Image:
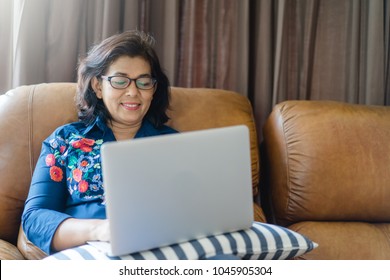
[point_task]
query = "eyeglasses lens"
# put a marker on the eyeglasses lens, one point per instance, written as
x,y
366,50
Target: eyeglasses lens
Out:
x,y
123,82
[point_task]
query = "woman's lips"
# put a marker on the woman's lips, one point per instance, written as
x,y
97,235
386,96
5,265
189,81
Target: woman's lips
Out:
x,y
131,106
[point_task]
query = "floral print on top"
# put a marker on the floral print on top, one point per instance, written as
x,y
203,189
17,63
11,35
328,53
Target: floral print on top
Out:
x,y
81,156
68,181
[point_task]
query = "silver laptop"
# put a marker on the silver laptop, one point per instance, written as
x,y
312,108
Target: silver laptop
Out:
x,y
169,189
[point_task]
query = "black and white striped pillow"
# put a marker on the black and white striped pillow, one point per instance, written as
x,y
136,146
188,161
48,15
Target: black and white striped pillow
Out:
x,y
262,241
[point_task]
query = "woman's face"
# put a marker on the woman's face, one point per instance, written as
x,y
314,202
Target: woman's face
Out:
x,y
127,106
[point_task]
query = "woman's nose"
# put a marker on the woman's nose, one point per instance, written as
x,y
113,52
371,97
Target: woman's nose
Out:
x,y
132,89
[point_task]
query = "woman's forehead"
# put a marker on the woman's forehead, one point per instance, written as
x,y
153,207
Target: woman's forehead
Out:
x,y
129,65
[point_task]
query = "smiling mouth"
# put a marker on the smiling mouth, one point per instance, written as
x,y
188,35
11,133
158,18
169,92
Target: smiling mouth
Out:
x,y
131,106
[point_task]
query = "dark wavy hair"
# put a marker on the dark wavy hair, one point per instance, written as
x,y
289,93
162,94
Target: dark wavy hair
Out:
x,y
96,63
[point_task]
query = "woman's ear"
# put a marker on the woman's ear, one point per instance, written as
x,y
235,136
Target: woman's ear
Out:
x,y
97,87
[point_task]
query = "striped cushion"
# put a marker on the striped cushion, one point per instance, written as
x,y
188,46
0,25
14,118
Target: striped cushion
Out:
x,y
261,241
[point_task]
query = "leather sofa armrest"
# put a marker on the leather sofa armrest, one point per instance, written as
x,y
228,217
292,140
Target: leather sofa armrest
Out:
x,y
27,248
9,251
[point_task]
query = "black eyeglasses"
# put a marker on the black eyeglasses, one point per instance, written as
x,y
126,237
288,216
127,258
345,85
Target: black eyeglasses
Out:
x,y
121,82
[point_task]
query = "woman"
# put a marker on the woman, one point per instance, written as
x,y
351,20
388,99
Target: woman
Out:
x,y
122,94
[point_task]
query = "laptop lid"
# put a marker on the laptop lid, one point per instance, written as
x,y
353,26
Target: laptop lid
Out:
x,y
169,189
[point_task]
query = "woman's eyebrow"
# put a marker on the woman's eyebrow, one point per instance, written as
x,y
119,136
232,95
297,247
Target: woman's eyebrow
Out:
x,y
119,74
125,75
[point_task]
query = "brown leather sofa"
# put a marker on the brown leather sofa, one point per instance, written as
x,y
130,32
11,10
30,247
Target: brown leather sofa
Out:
x,y
28,114
326,174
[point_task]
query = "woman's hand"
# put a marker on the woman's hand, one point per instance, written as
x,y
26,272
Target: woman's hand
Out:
x,y
101,231
75,232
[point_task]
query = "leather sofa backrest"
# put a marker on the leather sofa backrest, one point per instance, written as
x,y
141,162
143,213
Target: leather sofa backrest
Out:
x,y
29,114
27,117
328,161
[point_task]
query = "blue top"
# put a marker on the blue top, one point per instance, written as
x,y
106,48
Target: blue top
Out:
x,y
67,180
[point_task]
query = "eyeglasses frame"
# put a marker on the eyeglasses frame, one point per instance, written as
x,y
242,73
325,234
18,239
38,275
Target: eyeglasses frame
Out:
x,y
108,78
